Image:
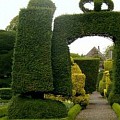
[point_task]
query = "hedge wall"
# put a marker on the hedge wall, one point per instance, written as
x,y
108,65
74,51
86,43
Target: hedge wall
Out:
x,y
68,28
32,69
90,68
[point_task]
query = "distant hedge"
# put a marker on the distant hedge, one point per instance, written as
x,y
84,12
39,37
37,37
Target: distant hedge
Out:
x,y
32,70
90,68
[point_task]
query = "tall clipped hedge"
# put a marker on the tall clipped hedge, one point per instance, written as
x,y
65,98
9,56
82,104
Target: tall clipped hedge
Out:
x,y
68,28
32,69
90,68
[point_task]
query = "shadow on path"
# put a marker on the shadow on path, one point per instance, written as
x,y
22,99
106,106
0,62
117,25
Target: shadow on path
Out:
x,y
98,109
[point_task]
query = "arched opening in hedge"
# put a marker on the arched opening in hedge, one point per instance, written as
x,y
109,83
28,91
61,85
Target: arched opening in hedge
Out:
x,y
92,59
67,28
83,45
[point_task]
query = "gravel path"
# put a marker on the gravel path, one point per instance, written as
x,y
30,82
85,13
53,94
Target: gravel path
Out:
x,y
98,109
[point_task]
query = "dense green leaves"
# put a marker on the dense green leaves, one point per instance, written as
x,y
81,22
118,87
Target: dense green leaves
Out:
x,y
27,108
90,68
32,69
97,5
6,53
68,28
41,3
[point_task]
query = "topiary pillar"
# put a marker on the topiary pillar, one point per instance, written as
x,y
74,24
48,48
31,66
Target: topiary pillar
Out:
x,y
32,71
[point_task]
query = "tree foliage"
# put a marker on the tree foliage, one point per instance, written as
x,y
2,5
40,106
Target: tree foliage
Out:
x,y
13,24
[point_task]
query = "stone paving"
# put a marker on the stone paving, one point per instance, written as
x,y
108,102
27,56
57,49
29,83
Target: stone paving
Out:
x,y
98,109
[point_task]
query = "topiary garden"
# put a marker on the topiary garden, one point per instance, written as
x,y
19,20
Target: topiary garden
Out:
x,y
42,63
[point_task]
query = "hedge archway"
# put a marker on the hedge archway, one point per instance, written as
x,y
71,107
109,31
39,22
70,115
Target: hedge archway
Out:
x,y
67,28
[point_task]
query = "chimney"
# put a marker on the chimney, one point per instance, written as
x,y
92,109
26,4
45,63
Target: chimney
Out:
x,y
99,48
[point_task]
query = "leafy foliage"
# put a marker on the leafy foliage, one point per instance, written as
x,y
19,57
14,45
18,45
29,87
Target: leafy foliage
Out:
x,y
13,24
90,68
69,27
97,5
7,39
32,70
27,108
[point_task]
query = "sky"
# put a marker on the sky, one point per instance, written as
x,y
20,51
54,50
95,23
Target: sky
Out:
x,y
10,8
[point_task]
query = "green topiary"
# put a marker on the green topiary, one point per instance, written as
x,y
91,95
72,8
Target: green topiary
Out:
x,y
90,68
41,4
32,70
97,5
73,112
27,108
113,98
116,108
100,75
108,65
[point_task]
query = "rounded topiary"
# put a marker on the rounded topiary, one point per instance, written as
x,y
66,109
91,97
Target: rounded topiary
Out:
x,y
41,3
97,5
27,108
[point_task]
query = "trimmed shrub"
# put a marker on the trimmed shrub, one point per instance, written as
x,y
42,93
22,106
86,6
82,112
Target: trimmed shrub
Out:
x,y
3,110
42,4
78,80
116,108
105,84
100,75
67,28
83,100
113,98
90,68
32,70
5,93
27,108
108,65
102,86
73,112
78,92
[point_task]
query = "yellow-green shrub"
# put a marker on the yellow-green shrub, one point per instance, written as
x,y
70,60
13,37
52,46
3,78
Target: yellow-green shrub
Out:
x,y
105,83
108,65
78,92
78,80
83,100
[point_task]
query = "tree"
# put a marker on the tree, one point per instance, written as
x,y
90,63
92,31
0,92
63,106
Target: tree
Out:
x,y
109,51
13,24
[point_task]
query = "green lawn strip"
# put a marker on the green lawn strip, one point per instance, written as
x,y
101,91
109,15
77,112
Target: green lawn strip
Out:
x,y
116,108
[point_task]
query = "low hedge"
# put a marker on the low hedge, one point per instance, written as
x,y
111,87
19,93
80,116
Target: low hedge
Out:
x,y
5,93
28,108
3,110
116,108
73,112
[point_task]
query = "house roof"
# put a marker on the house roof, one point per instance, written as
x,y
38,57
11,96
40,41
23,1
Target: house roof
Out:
x,y
95,52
